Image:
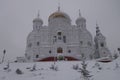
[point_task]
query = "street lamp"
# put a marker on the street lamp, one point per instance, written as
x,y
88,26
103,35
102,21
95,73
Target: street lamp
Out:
x,y
4,51
119,50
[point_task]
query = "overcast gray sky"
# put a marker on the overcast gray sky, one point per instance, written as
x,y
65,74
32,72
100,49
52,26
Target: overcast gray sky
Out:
x,y
16,20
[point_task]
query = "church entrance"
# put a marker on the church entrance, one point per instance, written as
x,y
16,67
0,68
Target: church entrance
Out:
x,y
59,50
60,55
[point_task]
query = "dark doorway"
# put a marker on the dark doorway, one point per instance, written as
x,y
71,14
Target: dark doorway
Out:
x,y
59,50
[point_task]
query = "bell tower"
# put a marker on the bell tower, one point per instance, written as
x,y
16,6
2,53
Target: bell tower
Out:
x,y
101,49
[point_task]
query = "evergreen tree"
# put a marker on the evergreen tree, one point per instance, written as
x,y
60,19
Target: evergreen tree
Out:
x,y
85,74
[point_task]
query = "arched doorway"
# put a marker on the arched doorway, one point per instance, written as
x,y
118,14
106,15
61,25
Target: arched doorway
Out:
x,y
59,50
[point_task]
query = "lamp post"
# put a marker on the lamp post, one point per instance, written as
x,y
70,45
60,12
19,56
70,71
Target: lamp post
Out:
x,y
54,59
119,50
4,51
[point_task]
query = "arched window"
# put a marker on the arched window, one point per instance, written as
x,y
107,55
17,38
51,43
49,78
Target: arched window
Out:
x,y
64,39
69,51
59,33
59,50
37,56
50,51
38,43
81,42
54,39
102,44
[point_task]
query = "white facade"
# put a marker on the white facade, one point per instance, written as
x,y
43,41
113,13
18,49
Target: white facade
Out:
x,y
59,38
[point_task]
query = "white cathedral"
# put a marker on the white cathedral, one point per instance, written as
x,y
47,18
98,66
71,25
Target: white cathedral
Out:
x,y
61,40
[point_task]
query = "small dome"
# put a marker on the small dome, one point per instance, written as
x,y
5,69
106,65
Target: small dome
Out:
x,y
38,20
59,14
80,18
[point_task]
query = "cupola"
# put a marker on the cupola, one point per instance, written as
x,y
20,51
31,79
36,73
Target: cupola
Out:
x,y
80,19
59,15
38,20
37,23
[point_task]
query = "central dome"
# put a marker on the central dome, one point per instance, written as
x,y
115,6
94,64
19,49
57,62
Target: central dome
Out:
x,y
59,14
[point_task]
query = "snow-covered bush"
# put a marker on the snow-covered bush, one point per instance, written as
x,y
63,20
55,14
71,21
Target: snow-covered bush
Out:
x,y
97,65
54,67
60,58
75,67
33,68
27,67
115,56
117,66
7,67
18,71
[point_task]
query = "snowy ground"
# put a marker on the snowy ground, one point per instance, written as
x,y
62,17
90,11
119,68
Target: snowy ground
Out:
x,y
106,71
